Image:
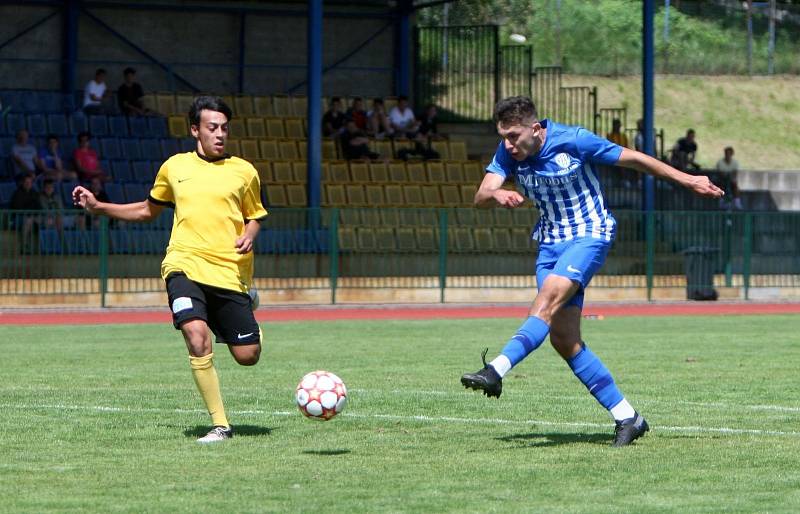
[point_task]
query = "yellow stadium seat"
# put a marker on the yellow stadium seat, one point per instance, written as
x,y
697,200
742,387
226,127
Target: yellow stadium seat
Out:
x,y
276,195
501,239
413,196
255,127
150,100
458,150
300,171
329,150
275,127
451,195
294,128
453,172
366,239
521,239
359,171
347,238
165,104
233,147
390,217
416,172
249,149
229,100
385,238
435,171
183,102
288,149
389,102
334,195
371,216
483,239
502,217
282,106
468,193
296,194
178,126
264,169
299,105
461,239
269,149
236,128
398,172
402,144
427,238
382,147
474,171
262,106
302,148
431,196
405,239
339,172
378,172
394,195
375,195
282,171
355,195
441,148
243,105
408,217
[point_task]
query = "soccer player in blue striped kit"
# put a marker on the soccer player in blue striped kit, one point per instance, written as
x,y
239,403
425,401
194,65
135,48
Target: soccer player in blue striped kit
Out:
x,y
555,166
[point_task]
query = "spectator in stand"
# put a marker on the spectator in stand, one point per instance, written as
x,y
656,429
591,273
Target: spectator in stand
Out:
x,y
638,139
357,113
24,155
684,151
94,93
51,161
402,118
25,198
355,143
87,162
50,202
428,127
130,94
378,124
729,168
616,136
333,119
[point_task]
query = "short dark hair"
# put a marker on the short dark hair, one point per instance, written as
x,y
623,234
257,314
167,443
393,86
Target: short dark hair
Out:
x,y
208,103
378,101
514,109
402,98
83,134
48,181
51,136
128,71
729,149
98,71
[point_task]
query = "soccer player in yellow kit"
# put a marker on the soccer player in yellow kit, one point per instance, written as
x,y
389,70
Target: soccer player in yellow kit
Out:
x,y
208,268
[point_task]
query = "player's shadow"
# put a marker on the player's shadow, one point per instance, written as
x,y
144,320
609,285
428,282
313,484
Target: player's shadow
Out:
x,y
338,451
538,440
238,431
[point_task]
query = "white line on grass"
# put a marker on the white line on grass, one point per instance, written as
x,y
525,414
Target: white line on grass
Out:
x,y
420,418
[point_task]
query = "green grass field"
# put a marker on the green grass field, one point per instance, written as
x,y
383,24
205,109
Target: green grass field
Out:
x,y
103,419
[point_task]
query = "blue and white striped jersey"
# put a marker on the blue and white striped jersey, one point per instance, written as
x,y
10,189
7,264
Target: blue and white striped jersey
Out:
x,y
563,182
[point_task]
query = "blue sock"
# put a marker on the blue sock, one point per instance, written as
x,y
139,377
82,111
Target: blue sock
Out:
x,y
528,338
596,377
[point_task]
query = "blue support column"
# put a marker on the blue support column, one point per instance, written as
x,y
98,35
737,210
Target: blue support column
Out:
x,y
70,47
314,103
403,65
648,80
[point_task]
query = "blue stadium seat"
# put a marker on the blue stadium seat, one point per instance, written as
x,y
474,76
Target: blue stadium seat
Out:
x,y
11,99
31,101
6,190
121,170
105,165
82,242
149,149
109,148
121,240
138,126
6,169
156,166
14,122
169,147
49,242
57,124
134,192
37,125
157,126
118,126
114,192
164,220
5,145
142,171
130,148
98,125
68,145
78,123
66,191
188,144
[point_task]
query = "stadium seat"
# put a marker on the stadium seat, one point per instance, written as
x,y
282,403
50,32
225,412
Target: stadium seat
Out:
x,y
149,149
57,124
474,172
158,126
169,147
347,239
281,106
300,171
7,189
503,217
296,195
302,148
355,195
187,144
441,147
299,105
521,239
255,127
454,172
382,147
262,106
339,171
118,126
243,106
264,169
329,149
406,241
49,241
121,170
366,239
294,128
427,239
109,148
390,217
458,150
375,195
468,193
78,123
98,125
384,238
413,196
177,126
431,195
134,192
461,239
269,149
142,171
31,101
14,123
276,195
137,126
165,104
66,191
288,149
402,144
416,172
483,239
237,128
371,216
183,102
81,242
398,172
394,195
275,128
378,172
130,148
501,239
451,196
115,192
334,195
359,171
435,171
408,217
234,147
37,125
249,149
282,171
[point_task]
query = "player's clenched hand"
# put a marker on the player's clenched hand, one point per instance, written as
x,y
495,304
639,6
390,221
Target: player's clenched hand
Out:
x,y
244,244
703,186
84,198
508,198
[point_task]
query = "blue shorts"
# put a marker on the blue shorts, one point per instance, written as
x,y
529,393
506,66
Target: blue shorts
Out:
x,y
578,260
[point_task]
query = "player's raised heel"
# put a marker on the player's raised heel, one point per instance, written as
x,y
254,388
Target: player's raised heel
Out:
x,y
216,435
628,430
485,379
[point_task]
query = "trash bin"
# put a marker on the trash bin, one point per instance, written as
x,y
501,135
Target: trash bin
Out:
x,y
699,263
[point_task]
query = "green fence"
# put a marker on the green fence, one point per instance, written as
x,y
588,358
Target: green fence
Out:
x,y
68,252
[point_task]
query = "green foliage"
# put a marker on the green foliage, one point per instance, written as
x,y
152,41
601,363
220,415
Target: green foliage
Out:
x,y
103,419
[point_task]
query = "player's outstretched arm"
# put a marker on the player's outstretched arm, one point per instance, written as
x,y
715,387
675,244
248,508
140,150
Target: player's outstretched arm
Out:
x,y
139,211
491,194
699,184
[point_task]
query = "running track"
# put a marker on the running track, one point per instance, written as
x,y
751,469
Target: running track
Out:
x,y
403,312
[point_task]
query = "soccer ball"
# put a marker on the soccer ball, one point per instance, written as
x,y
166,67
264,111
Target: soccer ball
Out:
x,y
321,395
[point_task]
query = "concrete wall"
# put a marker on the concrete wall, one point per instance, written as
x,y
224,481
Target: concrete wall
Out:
x,y
202,45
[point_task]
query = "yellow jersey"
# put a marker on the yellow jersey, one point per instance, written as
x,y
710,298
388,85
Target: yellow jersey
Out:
x,y
213,200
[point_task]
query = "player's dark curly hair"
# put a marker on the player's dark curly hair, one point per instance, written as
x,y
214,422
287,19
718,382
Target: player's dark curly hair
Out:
x,y
210,103
514,109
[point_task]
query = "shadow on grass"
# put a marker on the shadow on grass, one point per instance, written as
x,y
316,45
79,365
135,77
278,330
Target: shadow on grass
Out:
x,y
326,452
550,439
238,430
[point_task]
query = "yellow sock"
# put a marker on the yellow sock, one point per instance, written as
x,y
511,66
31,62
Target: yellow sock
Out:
x,y
205,376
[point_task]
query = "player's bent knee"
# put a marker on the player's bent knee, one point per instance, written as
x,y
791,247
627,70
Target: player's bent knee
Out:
x,y
246,355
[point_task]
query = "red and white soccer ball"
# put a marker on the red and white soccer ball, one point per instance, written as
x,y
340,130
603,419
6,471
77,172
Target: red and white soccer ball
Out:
x,y
321,395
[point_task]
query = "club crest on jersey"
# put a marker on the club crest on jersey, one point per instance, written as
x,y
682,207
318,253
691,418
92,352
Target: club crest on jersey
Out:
x,y
563,160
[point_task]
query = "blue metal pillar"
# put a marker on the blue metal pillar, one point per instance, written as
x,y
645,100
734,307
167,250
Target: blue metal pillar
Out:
x,y
314,103
69,57
648,80
403,65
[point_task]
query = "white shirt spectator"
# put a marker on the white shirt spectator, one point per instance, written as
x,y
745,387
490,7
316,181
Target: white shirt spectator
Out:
x,y
96,89
27,154
728,167
402,120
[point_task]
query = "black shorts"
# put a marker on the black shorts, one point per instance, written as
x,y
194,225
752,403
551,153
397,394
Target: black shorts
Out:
x,y
229,314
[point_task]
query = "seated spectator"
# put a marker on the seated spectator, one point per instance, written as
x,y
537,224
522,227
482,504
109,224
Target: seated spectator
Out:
x,y
378,124
333,119
24,155
50,201
427,123
94,93
357,113
684,151
638,139
402,118
130,94
87,162
25,198
51,161
616,136
729,167
355,143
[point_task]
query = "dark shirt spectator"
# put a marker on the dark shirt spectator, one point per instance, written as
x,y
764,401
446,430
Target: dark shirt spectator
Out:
x,y
428,126
129,95
25,197
378,124
357,113
684,151
355,143
49,200
87,162
333,120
